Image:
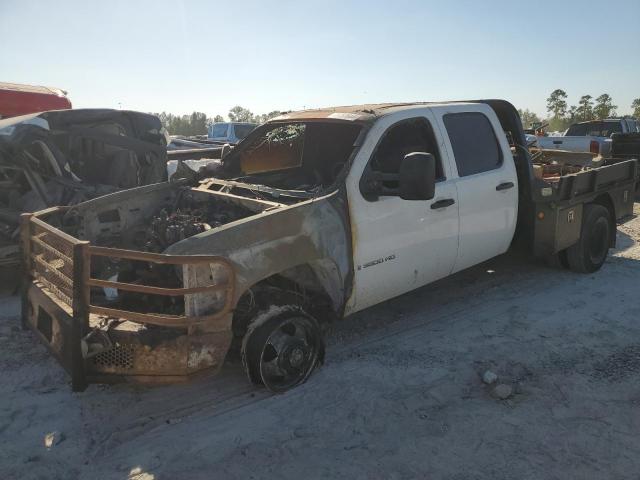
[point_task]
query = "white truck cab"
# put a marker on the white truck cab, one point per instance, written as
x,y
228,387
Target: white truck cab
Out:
x,y
471,218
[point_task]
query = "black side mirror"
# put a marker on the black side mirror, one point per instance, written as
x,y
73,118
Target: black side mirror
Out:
x,y
417,179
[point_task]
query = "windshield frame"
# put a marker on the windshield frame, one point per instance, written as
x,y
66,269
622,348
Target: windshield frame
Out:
x,y
231,163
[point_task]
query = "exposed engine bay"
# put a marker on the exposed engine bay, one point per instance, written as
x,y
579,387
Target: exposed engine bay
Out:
x,y
186,217
151,223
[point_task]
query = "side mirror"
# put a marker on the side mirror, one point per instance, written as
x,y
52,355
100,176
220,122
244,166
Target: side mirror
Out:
x,y
417,178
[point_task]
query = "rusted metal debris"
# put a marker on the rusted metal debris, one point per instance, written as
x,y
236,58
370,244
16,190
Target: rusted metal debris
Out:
x,y
66,157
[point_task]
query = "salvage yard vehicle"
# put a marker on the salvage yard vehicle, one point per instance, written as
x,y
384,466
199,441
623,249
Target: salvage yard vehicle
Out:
x,y
593,136
17,99
68,156
314,216
230,132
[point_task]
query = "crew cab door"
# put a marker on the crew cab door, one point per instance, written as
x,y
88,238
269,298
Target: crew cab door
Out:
x,y
399,245
486,180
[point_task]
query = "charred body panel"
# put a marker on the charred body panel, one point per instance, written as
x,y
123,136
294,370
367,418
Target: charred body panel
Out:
x,y
148,322
314,233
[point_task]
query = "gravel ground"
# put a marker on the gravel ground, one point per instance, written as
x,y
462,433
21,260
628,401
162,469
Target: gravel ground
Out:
x,y
400,396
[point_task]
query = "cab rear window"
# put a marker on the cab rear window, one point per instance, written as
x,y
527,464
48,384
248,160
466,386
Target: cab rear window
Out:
x,y
594,129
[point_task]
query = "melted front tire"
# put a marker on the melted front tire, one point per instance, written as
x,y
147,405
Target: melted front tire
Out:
x,y
282,347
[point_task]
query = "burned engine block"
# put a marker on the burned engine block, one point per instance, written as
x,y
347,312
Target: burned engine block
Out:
x,y
188,217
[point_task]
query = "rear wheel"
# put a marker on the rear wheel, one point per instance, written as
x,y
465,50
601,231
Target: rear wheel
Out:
x,y
591,251
282,347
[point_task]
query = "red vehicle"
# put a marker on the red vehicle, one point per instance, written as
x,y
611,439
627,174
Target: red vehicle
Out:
x,y
16,99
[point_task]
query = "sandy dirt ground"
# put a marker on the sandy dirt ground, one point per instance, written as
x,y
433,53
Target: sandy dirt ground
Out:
x,y
400,396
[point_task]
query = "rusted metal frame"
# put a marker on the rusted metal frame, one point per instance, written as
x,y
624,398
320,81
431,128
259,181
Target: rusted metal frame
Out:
x,y
160,320
205,187
154,318
170,292
80,307
53,289
36,239
259,188
25,237
49,268
54,231
50,210
81,283
160,258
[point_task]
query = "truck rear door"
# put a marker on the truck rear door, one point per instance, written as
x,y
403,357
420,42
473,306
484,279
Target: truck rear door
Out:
x,y
486,180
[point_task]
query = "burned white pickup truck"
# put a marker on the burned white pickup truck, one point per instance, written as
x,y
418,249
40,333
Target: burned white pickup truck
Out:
x,y
314,216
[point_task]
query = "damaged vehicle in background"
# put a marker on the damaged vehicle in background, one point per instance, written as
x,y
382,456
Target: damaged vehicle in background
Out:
x,y
65,157
314,216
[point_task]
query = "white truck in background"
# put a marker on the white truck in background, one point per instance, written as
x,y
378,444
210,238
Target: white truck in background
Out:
x,y
230,132
593,136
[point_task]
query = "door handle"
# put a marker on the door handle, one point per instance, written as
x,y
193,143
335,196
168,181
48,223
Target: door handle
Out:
x,y
557,142
442,203
504,186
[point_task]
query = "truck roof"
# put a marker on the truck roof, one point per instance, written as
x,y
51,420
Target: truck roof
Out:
x,y
358,113
610,119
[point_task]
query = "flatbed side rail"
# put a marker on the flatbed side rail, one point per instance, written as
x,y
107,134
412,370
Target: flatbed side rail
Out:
x,y
595,180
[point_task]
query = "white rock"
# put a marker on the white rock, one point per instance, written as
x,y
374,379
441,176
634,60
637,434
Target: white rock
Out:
x,y
53,438
489,377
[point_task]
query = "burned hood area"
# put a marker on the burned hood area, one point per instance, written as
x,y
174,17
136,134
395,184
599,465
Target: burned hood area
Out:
x,y
65,157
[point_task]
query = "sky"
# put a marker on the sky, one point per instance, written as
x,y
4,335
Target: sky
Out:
x,y
209,56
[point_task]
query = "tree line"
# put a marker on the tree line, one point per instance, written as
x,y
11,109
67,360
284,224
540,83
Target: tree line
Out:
x,y
561,114
197,123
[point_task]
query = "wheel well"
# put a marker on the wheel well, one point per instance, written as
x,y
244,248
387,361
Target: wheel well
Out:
x,y
298,285
606,202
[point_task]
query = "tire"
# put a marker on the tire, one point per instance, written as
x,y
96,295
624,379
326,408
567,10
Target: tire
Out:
x,y
588,255
282,347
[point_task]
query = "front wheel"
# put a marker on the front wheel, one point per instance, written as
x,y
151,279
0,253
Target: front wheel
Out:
x,y
282,347
590,252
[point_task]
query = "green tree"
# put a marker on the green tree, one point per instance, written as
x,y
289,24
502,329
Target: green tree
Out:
x,y
528,118
194,124
266,116
240,114
218,119
585,108
604,106
557,104
635,105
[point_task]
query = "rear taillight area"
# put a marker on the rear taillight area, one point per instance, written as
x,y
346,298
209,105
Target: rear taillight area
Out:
x,y
594,147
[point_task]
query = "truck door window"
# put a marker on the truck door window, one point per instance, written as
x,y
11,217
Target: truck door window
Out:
x,y
407,136
474,143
